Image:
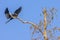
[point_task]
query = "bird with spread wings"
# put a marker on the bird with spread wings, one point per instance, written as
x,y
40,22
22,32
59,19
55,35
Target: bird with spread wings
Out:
x,y
12,16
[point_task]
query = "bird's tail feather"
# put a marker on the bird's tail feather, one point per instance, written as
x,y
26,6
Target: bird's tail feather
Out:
x,y
8,21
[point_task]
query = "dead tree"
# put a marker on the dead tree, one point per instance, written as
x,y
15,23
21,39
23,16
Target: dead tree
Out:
x,y
48,17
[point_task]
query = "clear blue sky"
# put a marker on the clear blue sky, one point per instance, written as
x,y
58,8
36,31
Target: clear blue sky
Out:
x,y
31,10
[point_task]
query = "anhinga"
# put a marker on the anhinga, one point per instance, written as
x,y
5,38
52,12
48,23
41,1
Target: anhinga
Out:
x,y
12,16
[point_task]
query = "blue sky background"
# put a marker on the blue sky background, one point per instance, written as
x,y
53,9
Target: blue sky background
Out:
x,y
31,10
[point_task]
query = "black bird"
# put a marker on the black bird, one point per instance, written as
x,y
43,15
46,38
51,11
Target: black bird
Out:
x,y
12,16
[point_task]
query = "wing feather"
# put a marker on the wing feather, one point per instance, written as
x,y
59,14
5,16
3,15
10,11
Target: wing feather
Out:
x,y
7,13
17,11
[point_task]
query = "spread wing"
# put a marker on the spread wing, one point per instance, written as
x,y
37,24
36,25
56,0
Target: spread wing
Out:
x,y
17,11
7,13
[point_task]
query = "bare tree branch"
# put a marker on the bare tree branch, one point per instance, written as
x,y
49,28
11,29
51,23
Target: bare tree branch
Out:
x,y
45,24
35,26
